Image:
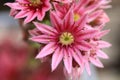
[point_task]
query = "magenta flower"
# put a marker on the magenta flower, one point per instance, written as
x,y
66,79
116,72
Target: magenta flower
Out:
x,y
64,40
82,7
93,55
30,9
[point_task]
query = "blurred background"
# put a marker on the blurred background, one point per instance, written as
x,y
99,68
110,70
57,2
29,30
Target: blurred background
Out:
x,y
17,64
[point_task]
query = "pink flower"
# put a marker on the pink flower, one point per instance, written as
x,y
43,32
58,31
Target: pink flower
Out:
x,y
82,7
30,9
64,40
93,55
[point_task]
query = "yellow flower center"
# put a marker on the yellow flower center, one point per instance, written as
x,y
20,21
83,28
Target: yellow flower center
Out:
x,y
76,17
66,38
35,2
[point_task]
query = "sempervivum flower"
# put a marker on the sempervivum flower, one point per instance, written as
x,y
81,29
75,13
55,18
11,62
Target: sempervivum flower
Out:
x,y
30,9
81,7
93,55
64,40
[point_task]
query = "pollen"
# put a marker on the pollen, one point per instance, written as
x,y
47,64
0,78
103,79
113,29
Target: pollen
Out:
x,y
35,2
66,38
76,17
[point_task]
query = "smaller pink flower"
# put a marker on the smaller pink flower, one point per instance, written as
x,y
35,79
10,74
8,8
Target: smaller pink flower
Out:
x,y
80,7
30,9
93,55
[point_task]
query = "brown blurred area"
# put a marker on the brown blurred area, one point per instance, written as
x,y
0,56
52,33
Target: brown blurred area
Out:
x,y
9,27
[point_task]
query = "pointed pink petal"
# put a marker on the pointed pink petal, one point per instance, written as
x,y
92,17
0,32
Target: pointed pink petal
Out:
x,y
87,34
87,66
77,56
82,22
14,5
56,58
40,15
102,33
103,44
45,28
68,19
96,62
30,16
101,54
100,27
21,14
13,12
34,32
47,50
67,60
41,39
83,45
55,20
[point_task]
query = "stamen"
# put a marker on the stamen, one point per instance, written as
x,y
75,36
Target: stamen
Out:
x,y
76,17
66,38
35,2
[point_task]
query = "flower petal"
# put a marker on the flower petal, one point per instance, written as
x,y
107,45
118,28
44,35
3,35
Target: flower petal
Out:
x,y
83,45
14,5
56,58
41,39
103,44
40,15
102,33
96,62
45,28
87,34
55,20
30,16
77,56
101,54
68,19
67,60
82,22
47,50
87,66
21,14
